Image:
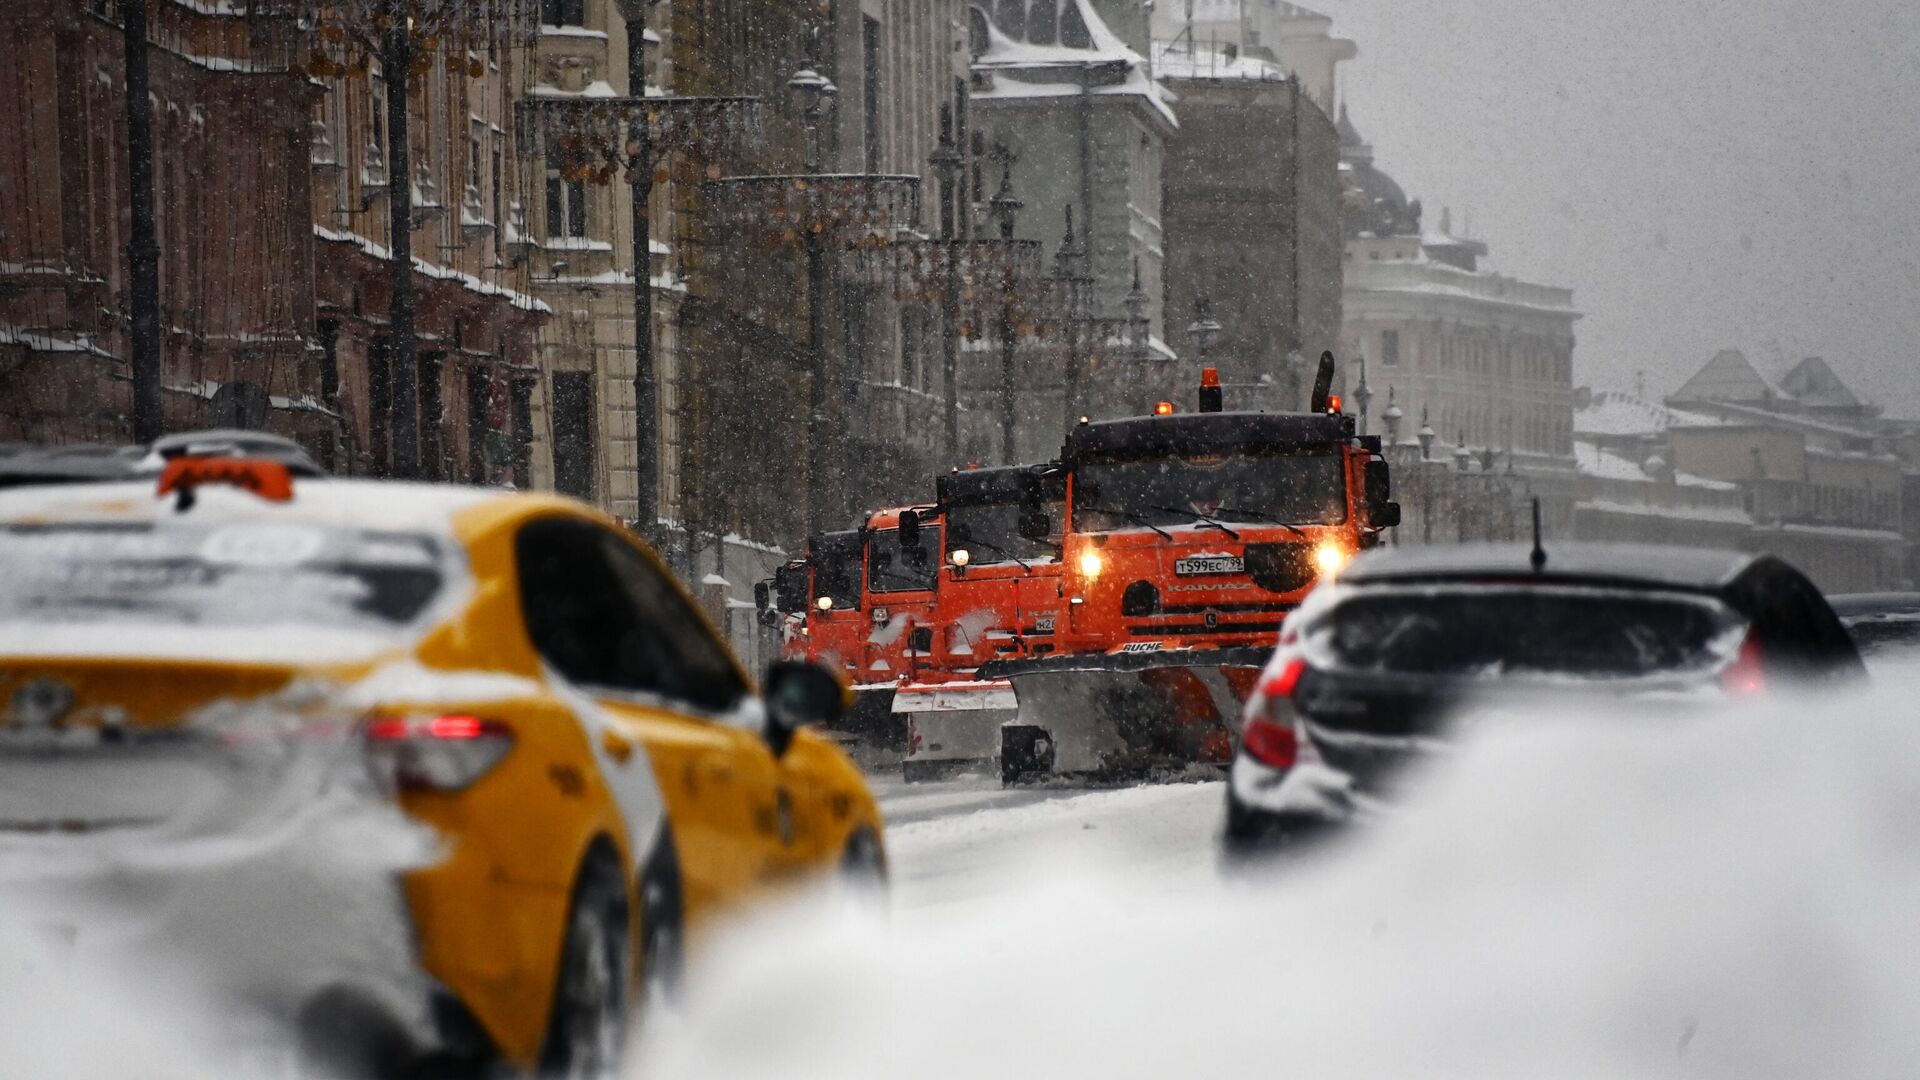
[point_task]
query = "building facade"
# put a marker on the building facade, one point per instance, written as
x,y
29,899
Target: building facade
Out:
x,y
1252,201
1301,41
235,240
475,385
1068,114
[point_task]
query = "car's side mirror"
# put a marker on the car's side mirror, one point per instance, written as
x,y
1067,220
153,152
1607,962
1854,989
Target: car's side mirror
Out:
x,y
798,694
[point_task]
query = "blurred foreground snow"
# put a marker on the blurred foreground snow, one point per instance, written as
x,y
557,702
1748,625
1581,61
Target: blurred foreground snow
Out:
x,y
1604,896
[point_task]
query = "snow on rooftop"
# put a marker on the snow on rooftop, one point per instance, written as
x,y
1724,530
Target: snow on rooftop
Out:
x,y
1024,68
1206,63
1595,462
1612,412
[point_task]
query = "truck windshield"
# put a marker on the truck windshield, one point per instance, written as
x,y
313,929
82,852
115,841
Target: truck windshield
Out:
x,y
891,568
1292,489
991,533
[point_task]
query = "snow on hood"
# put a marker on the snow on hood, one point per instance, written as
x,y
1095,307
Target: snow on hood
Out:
x,y
1725,897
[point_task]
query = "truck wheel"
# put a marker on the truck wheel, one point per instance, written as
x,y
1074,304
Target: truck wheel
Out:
x,y
588,1027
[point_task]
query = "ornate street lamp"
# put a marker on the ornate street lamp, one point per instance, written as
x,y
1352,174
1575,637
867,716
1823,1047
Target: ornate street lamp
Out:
x,y
1392,417
1003,209
947,163
1070,269
1363,394
1204,328
1426,435
404,35
601,139
1462,457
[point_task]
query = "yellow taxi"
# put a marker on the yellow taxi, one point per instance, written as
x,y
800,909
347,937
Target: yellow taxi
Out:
x,y
432,774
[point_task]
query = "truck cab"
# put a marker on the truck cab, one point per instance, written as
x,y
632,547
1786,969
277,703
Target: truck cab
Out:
x,y
1000,586
1203,530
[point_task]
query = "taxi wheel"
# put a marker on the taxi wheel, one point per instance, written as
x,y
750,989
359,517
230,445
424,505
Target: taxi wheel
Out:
x,y
863,861
589,1023
662,922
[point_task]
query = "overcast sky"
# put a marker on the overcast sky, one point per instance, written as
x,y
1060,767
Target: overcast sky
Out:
x,y
1703,174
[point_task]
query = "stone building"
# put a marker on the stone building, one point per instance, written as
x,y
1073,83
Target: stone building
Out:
x,y
1074,109
235,240
582,260
475,384
1301,41
1485,358
1252,206
1822,477
745,318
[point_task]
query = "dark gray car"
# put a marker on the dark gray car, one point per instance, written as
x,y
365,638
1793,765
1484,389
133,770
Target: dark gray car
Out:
x,y
1371,669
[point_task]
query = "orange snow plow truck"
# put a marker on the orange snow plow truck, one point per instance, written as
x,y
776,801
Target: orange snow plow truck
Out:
x,y
1188,537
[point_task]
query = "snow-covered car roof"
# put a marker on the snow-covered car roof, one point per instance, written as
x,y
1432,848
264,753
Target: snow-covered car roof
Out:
x,y
362,503
1689,568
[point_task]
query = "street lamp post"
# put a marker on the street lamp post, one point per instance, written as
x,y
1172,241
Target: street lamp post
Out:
x,y
815,92
1004,209
1462,461
1392,417
947,164
597,138
1069,268
1363,394
1426,436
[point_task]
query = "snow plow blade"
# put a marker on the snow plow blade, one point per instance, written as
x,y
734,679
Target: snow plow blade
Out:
x,y
1124,716
952,727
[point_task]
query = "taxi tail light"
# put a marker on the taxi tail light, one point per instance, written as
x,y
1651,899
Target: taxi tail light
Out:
x,y
1269,736
1747,675
447,752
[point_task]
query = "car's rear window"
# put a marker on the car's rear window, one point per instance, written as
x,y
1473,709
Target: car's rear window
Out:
x,y
226,575
1882,635
1569,632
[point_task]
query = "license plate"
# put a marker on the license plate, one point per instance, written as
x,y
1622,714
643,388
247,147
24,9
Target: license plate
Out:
x,y
1211,564
1043,625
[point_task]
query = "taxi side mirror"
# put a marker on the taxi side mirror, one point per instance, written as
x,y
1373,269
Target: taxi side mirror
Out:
x,y
799,694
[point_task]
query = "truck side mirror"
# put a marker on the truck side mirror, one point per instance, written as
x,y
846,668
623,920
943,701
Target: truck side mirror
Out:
x,y
1035,524
1384,515
762,596
1379,482
909,529
790,589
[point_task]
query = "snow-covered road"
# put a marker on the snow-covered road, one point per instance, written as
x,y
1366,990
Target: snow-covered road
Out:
x,y
957,842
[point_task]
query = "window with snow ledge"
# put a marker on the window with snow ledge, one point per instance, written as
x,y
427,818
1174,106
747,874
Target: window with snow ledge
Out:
x,y
563,12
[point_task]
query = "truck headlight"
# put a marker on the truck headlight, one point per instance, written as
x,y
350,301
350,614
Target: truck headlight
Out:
x,y
825,603
1091,564
961,556
1330,557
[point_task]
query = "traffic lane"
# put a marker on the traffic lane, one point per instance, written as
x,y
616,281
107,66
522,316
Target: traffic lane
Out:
x,y
950,848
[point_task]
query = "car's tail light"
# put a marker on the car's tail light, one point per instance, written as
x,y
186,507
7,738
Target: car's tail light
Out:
x,y
434,753
1271,744
1288,679
1269,738
1747,675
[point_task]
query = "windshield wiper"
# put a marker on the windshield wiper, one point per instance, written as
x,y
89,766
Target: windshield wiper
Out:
x,y
1201,516
1130,516
991,546
1265,520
